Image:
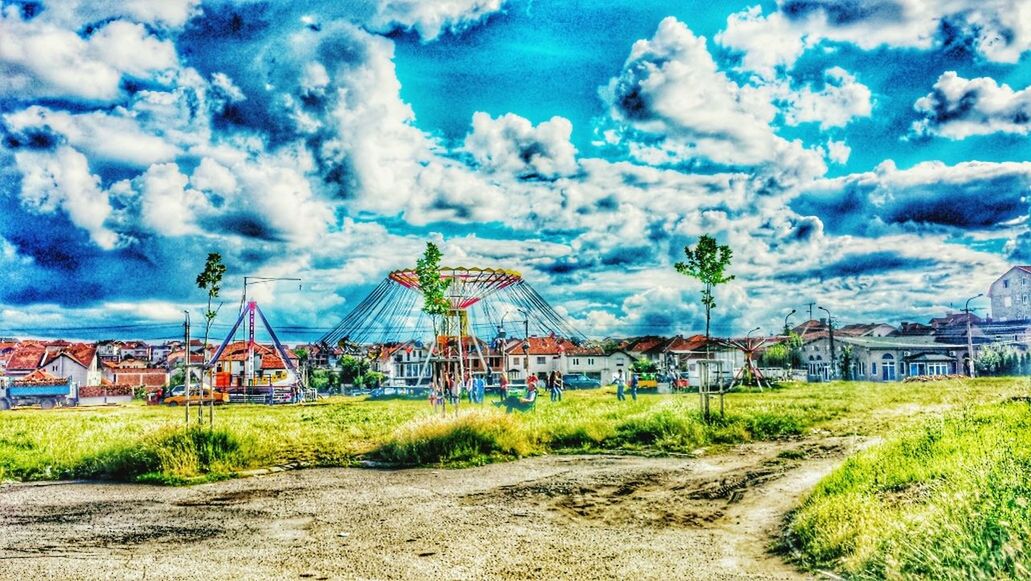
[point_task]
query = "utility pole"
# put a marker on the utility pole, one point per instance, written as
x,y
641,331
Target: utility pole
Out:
x,y
830,327
970,339
186,369
811,305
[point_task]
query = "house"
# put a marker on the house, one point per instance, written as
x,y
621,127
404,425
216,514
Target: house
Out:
x,y
587,360
134,373
866,330
7,349
79,361
267,366
159,354
109,350
25,358
884,358
535,355
1010,295
137,350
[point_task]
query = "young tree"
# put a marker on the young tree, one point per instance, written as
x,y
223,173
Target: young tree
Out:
x,y
845,360
434,287
210,280
707,263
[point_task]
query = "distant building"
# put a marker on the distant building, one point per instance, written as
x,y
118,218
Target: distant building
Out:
x,y
884,358
1010,295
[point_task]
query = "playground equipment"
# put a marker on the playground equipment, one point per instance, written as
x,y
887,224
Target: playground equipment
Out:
x,y
480,299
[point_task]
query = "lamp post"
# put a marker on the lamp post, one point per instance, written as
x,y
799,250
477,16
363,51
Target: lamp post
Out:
x,y
787,330
970,339
830,327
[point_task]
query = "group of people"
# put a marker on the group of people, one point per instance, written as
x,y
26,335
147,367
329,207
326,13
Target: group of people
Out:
x,y
552,381
445,389
621,383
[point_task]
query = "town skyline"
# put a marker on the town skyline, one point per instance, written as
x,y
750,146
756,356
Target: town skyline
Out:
x,y
874,161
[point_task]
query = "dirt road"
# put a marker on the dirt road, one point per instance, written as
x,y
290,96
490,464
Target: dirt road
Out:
x,y
556,517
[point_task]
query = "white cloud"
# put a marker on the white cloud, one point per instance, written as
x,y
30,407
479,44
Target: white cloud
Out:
x,y
167,205
999,30
838,152
112,137
958,108
671,90
513,145
61,180
841,100
44,60
431,19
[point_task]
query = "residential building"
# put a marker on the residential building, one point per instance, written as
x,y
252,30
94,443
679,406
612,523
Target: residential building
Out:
x,y
79,361
884,358
1010,295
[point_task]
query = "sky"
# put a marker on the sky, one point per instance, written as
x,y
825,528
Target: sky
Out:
x,y
868,156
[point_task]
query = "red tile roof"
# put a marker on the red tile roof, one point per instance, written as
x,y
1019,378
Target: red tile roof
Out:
x,y
541,346
26,357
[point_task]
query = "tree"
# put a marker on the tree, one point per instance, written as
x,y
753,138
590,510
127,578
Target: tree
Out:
x,y
707,263
644,365
433,286
210,280
352,368
845,359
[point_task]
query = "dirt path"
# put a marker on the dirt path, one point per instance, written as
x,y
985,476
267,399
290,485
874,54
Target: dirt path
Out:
x,y
556,517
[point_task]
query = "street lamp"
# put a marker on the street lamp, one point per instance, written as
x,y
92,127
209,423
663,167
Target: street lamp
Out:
x,y
787,330
748,334
830,331
970,340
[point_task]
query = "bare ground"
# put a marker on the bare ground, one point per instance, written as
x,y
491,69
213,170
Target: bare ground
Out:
x,y
554,517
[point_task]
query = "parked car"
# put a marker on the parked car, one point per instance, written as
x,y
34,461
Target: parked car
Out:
x,y
177,396
579,381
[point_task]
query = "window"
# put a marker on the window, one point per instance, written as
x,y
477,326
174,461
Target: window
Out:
x,y
1005,283
576,362
541,360
873,368
1023,299
590,361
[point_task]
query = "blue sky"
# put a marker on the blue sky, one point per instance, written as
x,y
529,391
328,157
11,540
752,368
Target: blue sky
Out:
x,y
872,156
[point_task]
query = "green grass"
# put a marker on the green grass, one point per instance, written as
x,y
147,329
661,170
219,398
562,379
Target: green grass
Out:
x,y
139,442
947,498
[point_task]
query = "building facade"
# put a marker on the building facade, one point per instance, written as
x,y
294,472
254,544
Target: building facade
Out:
x,y
1010,295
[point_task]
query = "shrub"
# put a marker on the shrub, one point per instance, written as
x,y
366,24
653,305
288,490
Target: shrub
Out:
x,y
471,438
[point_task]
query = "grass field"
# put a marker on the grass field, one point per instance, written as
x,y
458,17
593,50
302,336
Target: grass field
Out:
x,y
947,498
147,443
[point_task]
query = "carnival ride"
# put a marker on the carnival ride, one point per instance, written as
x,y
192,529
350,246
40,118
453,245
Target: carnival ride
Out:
x,y
480,301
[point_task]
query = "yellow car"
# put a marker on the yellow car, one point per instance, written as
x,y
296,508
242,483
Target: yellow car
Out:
x,y
177,396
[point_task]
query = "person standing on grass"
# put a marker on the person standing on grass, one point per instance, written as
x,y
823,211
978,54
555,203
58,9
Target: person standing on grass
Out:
x,y
553,385
479,385
633,386
617,378
503,385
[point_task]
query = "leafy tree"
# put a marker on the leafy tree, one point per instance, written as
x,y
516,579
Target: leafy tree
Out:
x,y
707,262
778,355
210,280
845,360
433,286
644,365
351,368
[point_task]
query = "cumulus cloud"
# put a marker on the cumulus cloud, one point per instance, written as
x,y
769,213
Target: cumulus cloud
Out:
x,y
111,137
996,30
60,180
958,108
671,91
841,100
930,196
41,59
513,145
431,19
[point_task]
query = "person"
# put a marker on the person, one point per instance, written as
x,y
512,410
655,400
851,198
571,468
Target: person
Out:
x,y
553,386
503,386
633,386
617,378
559,385
468,387
531,395
531,381
478,387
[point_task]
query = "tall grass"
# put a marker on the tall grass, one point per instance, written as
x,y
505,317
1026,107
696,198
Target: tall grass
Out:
x,y
947,499
141,442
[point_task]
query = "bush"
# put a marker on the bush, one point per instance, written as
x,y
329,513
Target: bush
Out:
x,y
470,439
171,455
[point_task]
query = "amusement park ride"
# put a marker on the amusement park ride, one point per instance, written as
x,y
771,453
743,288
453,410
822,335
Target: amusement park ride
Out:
x,y
479,300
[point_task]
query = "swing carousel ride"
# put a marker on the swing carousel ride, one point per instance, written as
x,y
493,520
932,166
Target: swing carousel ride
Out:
x,y
481,301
